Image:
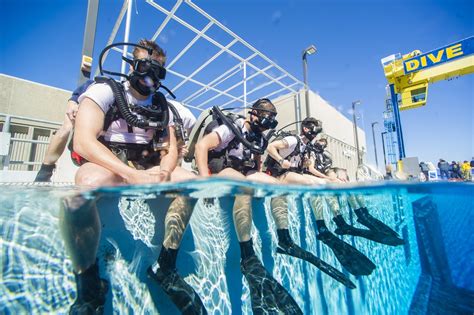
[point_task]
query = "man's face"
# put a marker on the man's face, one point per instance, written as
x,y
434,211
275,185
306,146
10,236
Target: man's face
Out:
x,y
142,54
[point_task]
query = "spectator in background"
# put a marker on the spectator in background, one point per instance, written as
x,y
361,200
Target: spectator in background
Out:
x,y
456,170
443,169
424,169
388,172
466,170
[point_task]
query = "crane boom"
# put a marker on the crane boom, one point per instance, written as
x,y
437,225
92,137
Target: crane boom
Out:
x,y
412,73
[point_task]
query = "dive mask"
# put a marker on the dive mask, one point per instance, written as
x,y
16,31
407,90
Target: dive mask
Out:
x,y
319,147
267,122
149,67
313,131
149,71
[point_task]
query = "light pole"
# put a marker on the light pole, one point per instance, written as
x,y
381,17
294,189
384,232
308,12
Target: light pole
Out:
x,y
308,51
356,136
375,144
383,148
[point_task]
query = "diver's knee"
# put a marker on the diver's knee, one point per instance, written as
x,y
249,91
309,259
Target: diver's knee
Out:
x,y
73,203
90,179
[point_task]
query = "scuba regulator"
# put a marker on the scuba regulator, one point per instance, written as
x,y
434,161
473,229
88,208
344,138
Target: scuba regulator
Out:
x,y
146,80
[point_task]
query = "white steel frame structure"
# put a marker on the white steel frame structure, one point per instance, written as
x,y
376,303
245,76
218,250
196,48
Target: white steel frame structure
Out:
x,y
248,64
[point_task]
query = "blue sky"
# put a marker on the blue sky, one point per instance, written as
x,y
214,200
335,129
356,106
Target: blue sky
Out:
x,y
42,40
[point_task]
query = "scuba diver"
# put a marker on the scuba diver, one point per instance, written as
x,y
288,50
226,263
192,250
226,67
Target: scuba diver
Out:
x,y
231,147
125,133
286,161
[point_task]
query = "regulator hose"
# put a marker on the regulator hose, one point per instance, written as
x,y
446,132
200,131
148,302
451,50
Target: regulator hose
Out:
x,y
255,149
143,123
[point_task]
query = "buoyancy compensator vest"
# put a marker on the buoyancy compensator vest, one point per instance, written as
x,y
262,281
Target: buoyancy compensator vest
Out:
x,y
253,144
243,151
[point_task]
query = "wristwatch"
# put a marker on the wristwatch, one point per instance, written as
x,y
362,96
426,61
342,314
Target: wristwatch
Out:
x,y
281,161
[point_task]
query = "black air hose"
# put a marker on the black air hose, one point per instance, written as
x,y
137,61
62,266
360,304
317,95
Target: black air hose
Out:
x,y
129,117
252,147
179,127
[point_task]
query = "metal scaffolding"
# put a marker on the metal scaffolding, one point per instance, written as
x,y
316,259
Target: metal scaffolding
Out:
x,y
242,75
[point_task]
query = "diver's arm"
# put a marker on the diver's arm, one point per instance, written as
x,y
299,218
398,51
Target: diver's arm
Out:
x,y
170,159
274,147
258,160
203,146
317,173
89,124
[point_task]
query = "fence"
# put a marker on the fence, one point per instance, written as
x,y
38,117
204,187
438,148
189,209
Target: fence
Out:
x,y
24,141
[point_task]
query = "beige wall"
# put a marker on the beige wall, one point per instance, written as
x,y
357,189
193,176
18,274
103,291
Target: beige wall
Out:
x,y
25,98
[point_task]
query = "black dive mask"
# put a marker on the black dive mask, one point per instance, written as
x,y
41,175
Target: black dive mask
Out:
x,y
267,122
313,131
147,76
264,122
319,147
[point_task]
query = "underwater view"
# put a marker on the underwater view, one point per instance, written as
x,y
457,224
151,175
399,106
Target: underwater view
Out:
x,y
429,271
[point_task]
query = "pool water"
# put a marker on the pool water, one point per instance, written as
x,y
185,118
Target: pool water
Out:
x,y
431,273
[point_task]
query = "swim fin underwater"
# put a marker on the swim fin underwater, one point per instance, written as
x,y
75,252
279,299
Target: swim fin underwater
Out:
x,y
266,294
350,258
343,228
91,292
366,219
181,293
288,247
296,251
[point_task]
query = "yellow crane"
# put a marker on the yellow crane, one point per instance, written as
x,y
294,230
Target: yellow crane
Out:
x,y
409,76
412,73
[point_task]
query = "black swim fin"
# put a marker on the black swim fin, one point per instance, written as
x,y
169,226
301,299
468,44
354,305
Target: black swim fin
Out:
x,y
350,258
266,294
91,292
181,293
345,229
366,219
296,251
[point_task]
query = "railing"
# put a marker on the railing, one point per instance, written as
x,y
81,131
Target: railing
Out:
x,y
24,141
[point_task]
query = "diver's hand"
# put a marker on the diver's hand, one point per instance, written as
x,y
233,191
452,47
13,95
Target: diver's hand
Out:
x,y
71,111
183,151
285,164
